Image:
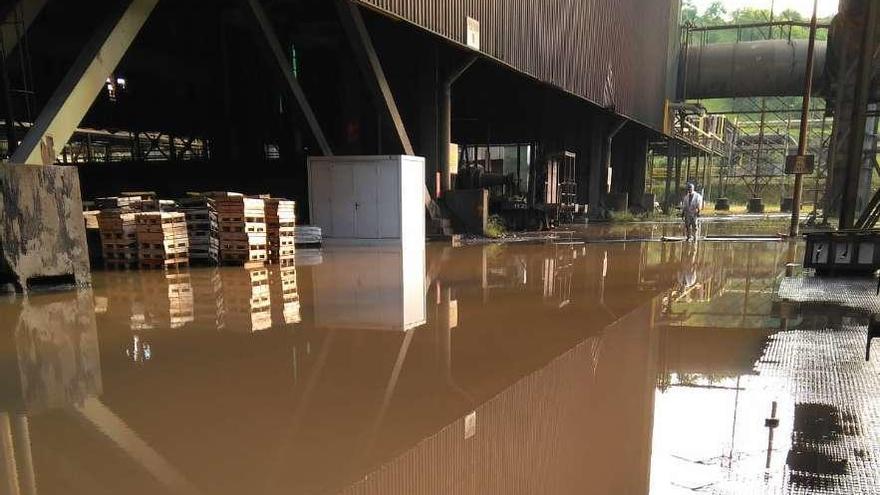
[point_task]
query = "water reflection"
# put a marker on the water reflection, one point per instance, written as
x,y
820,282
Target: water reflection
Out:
x,y
552,368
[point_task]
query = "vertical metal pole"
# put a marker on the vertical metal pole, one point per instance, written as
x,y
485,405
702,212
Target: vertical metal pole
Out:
x,y
805,123
760,152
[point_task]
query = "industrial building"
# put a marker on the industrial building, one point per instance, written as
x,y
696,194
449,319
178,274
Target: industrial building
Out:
x,y
246,247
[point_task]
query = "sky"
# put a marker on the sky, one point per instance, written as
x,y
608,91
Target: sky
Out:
x,y
805,7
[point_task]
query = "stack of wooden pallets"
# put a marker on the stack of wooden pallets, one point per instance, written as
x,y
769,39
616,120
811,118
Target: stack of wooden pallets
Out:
x,y
118,239
203,228
162,240
116,226
281,227
242,224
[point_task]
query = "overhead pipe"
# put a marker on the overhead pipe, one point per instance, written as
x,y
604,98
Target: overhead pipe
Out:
x,y
803,137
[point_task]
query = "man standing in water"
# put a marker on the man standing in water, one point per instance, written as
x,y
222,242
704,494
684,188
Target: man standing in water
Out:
x,y
691,205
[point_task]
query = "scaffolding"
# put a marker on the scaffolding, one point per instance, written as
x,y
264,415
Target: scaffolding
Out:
x,y
766,128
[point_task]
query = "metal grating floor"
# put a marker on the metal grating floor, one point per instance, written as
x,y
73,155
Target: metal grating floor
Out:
x,y
820,364
835,440
854,293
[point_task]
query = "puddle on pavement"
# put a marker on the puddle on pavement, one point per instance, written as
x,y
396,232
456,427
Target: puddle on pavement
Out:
x,y
522,368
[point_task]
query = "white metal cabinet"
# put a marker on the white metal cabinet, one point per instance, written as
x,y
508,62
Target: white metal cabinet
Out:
x,y
368,197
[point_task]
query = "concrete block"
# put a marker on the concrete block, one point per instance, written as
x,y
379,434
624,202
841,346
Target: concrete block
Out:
x,y
43,229
756,205
470,210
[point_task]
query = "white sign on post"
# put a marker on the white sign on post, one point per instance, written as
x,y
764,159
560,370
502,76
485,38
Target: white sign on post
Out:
x,y
473,33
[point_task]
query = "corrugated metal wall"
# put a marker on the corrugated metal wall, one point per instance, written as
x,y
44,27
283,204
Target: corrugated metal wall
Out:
x,y
612,52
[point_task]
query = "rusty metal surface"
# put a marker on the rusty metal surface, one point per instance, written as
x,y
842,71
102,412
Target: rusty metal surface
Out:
x,y
611,52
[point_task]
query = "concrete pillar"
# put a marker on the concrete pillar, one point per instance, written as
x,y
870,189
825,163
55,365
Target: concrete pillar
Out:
x,y
596,164
42,226
638,169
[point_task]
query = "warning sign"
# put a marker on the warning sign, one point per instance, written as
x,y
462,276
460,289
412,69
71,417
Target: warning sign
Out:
x,y
800,164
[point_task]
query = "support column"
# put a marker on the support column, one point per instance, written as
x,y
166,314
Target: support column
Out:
x,y
639,172
445,112
855,47
597,165
42,227
84,81
428,129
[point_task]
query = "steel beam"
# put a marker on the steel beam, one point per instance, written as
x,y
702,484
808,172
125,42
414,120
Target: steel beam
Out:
x,y
284,66
82,84
17,20
371,66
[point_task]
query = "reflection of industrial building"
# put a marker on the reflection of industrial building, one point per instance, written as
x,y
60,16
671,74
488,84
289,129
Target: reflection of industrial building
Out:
x,y
548,398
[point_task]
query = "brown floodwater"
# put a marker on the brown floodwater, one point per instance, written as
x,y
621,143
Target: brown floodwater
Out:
x,y
509,369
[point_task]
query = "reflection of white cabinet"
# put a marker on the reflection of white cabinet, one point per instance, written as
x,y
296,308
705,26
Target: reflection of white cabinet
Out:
x,y
368,197
370,287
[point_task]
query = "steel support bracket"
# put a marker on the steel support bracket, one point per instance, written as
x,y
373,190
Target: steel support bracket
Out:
x,y
81,86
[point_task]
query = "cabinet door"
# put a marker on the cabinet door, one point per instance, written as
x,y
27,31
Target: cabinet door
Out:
x,y
342,201
366,197
321,192
389,202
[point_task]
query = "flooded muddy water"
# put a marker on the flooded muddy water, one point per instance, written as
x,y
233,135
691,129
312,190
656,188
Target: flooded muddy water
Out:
x,y
512,369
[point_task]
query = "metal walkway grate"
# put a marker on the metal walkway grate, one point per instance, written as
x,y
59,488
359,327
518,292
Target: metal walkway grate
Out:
x,y
855,293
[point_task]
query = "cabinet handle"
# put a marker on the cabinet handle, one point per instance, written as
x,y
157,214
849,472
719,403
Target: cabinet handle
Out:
x,y
357,206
